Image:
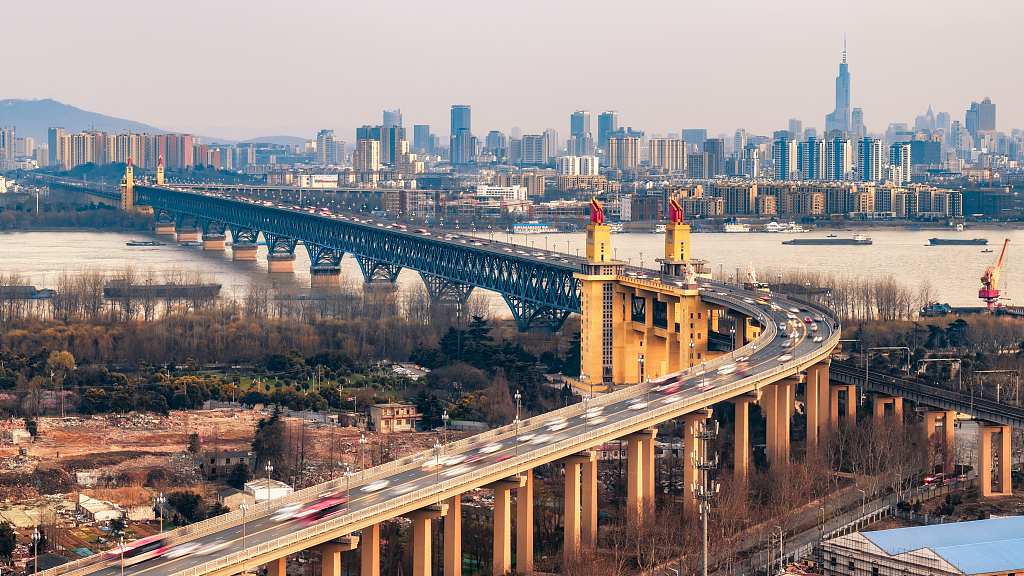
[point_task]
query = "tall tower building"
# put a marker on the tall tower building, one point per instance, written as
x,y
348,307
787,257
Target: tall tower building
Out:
x,y
695,137
784,154
421,140
840,159
739,142
461,135
579,123
796,129
393,118
870,159
54,136
839,119
899,157
857,127
326,153
715,148
812,159
607,122
667,153
623,153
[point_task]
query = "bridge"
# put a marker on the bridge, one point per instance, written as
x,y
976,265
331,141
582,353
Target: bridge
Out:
x,y
646,360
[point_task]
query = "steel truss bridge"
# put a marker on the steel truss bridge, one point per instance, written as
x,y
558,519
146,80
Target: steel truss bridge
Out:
x,y
541,292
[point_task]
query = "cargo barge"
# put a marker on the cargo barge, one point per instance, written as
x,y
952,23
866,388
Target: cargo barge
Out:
x,y
958,241
857,240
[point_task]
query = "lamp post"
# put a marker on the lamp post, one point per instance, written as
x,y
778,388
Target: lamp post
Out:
x,y
437,468
780,284
348,491
362,462
35,547
545,242
270,469
721,271
444,420
160,500
691,353
244,508
586,412
36,539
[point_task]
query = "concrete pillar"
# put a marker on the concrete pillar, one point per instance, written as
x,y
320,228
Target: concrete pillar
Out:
x,y
770,405
985,459
278,567
453,537
1002,460
785,401
741,455
897,406
213,242
573,499
503,522
421,551
692,449
649,464
243,252
851,405
949,446
816,403
165,229
1004,471
331,554
833,415
524,527
188,235
370,551
325,277
588,535
634,477
280,263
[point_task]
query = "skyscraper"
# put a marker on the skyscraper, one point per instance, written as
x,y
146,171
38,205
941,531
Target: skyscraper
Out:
x,y
870,159
551,141
579,123
534,151
839,119
899,157
840,159
421,139
796,129
811,159
53,139
715,148
326,148
393,118
857,123
461,135
695,136
784,155
607,121
623,152
739,142
667,153
496,139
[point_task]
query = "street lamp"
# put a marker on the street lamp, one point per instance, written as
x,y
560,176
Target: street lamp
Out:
x,y
362,448
437,468
586,412
691,353
270,469
444,420
36,539
35,547
244,508
545,242
348,491
160,500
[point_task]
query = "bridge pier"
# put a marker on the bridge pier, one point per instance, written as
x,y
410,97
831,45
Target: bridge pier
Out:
x,y
369,551
1002,460
453,537
851,404
243,252
636,454
213,243
165,229
331,554
741,443
325,277
278,567
524,526
502,563
188,234
931,418
778,401
421,536
816,396
280,263
882,401
573,500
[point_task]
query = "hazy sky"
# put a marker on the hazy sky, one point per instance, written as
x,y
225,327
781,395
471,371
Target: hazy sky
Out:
x,y
245,68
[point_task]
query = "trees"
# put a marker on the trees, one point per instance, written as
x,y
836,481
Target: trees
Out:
x,y
8,540
239,476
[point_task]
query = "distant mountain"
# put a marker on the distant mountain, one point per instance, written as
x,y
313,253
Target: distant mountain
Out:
x,y
276,140
35,117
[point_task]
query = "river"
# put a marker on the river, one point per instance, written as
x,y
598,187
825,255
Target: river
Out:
x,y
954,271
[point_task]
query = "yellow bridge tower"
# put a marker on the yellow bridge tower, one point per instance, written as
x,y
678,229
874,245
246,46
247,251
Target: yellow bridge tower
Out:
x,y
128,189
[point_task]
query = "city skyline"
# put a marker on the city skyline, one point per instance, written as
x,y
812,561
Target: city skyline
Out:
x,y
237,103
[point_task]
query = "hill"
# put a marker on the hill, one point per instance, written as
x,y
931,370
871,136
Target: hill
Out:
x,y
276,140
34,117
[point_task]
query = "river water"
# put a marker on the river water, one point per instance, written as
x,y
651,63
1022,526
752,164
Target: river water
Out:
x,y
954,271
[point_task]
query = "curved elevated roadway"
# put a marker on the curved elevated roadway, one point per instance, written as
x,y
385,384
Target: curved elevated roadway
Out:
x,y
542,439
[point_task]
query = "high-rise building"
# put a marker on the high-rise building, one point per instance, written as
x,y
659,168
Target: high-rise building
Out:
x,y
942,122
516,133
623,153
870,159
839,119
839,164
784,155
715,149
697,166
667,153
461,135
986,116
577,166
811,159
53,139
796,129
694,136
421,139
366,157
579,123
393,118
580,146
739,142
551,142
899,159
607,122
857,127
326,149
496,139
535,150
8,144
395,135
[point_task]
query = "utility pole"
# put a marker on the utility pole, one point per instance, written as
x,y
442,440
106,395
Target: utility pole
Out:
x,y
707,489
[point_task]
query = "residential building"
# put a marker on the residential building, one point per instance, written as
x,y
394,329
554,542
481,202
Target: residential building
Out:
x,y
366,157
496,140
697,166
534,183
623,152
551,143
393,118
263,489
812,157
232,498
899,158
577,165
715,149
54,136
839,164
580,146
327,153
667,154
784,155
695,137
796,129
870,160
534,150
216,463
395,417
579,123
739,141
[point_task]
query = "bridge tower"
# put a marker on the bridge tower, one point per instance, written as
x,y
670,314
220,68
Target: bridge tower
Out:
x,y
128,189
636,327
160,172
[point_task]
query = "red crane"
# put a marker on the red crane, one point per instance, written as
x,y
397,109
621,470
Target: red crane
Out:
x,y
990,280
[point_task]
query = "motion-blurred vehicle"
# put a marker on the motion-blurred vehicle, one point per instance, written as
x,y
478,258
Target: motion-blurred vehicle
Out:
x,y
286,512
140,550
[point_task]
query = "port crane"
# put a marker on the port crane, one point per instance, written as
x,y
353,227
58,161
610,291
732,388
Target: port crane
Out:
x,y
990,280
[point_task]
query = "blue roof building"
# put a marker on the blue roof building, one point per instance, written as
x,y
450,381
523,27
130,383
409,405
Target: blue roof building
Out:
x,y
977,548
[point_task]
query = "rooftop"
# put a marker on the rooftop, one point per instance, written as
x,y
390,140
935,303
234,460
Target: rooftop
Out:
x,y
977,547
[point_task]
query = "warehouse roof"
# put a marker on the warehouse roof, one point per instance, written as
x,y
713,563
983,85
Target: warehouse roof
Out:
x,y
978,547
